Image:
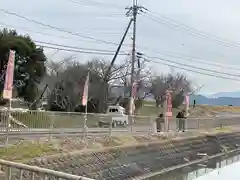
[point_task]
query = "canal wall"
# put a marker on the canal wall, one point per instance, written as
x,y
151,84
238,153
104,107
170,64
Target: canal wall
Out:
x,y
120,163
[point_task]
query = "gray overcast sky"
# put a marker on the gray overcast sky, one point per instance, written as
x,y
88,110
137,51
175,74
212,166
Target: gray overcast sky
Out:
x,y
107,22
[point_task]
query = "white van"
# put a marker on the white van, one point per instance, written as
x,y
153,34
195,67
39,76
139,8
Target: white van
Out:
x,y
118,116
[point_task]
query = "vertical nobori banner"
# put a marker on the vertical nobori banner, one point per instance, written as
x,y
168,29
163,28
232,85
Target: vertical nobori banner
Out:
x,y
187,99
168,110
169,103
134,94
85,103
85,91
8,84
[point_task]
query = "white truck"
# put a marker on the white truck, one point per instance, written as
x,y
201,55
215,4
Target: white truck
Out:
x,y
116,115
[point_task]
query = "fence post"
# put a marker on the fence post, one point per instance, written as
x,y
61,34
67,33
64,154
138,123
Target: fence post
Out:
x,y
85,127
153,125
132,122
150,123
7,126
186,123
52,121
198,123
110,126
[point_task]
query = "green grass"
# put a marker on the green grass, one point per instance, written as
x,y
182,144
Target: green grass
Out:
x,y
150,103
149,110
26,151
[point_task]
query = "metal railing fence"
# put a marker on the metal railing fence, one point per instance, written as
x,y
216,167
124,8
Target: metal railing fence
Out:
x,y
46,123
13,170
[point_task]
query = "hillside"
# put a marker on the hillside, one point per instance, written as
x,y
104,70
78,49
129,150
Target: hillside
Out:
x,y
220,101
234,94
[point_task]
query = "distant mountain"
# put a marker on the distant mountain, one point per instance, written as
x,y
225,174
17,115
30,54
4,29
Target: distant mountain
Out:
x,y
218,101
235,94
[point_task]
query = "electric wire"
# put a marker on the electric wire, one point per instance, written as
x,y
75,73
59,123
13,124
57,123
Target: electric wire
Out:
x,y
191,70
54,27
189,31
191,66
206,34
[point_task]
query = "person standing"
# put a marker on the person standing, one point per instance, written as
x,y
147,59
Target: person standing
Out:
x,y
181,121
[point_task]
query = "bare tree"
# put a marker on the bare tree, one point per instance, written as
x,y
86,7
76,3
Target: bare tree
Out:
x,y
142,76
69,88
178,84
68,81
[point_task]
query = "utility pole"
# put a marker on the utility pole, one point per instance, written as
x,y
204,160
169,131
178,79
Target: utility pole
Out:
x,y
106,76
133,11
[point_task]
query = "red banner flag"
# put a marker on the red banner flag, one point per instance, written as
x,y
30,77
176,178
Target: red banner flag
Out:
x,y
169,104
85,92
134,90
8,85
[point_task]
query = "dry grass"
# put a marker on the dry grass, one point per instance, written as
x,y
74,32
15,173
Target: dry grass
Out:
x,y
225,129
149,108
26,151
231,109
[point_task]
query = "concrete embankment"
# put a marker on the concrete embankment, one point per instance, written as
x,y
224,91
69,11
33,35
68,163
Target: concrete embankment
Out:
x,y
140,160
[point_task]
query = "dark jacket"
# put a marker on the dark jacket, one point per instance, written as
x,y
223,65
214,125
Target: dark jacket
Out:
x,y
160,119
180,115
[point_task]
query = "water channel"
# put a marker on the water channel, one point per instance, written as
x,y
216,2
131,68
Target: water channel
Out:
x,y
216,169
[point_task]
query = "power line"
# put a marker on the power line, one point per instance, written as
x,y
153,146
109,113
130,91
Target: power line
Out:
x,y
76,47
204,69
96,4
194,59
4,25
189,31
78,51
191,70
190,58
196,30
56,28
66,46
